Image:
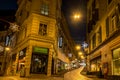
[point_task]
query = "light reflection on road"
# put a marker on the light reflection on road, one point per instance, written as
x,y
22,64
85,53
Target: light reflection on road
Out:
x,y
75,75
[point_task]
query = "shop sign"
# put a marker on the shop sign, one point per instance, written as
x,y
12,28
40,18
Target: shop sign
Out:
x,y
40,50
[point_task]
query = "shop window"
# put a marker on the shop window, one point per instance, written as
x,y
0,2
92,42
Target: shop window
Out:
x,y
96,64
39,63
21,60
116,61
43,29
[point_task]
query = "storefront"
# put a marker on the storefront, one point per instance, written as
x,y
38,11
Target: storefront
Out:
x,y
95,64
116,61
61,65
21,60
39,60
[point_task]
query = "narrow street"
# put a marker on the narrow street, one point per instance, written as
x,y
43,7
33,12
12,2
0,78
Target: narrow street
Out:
x,y
72,75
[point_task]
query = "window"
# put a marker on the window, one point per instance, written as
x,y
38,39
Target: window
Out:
x,y
116,61
113,23
44,9
94,41
43,29
107,27
60,42
100,35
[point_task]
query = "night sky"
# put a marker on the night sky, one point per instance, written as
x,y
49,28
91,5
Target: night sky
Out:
x,y
69,7
77,27
8,5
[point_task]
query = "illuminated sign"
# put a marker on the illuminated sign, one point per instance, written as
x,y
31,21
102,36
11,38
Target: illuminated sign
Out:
x,y
40,50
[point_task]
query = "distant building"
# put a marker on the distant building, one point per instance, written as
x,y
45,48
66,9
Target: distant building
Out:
x,y
6,38
103,36
41,43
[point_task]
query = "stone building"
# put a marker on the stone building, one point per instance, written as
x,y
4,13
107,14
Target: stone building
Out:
x,y
6,19
37,49
103,37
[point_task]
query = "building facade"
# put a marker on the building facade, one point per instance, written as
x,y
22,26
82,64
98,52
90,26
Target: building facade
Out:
x,y
6,35
103,26
37,47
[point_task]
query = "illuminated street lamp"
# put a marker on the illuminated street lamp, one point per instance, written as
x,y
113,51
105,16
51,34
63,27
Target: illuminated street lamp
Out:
x,y
78,47
7,49
80,53
76,16
82,57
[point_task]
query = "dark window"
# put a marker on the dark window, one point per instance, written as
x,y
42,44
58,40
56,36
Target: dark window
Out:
x,y
43,29
94,41
107,27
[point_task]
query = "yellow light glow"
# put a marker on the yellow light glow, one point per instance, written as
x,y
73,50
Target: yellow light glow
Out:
x,y
82,57
7,49
77,16
78,47
80,53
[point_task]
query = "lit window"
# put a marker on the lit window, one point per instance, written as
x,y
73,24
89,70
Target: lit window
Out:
x,y
43,29
116,61
113,23
44,9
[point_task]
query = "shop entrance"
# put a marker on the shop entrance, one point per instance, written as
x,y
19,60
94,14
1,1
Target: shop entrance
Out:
x,y
39,63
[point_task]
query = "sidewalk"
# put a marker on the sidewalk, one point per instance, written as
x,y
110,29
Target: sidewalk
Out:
x,y
40,77
94,77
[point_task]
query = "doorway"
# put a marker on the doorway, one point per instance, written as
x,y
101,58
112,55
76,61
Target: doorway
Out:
x,y
39,63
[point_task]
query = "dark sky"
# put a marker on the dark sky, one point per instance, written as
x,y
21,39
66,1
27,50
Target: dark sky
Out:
x,y
69,7
77,27
8,4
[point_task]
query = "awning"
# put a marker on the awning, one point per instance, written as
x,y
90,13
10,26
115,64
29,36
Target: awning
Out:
x,y
62,57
